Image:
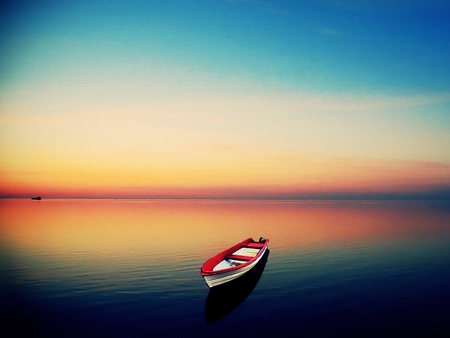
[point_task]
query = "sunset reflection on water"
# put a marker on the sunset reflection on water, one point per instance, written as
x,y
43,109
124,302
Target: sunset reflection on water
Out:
x,y
102,226
96,266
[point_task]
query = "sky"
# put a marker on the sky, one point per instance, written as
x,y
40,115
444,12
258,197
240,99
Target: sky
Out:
x,y
225,98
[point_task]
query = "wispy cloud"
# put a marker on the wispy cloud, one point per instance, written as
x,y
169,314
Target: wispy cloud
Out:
x,y
328,31
308,102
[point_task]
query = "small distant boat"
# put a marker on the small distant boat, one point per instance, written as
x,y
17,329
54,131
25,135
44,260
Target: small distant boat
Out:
x,y
36,198
233,262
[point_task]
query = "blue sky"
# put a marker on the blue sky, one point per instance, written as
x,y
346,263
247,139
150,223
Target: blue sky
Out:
x,y
240,90
323,45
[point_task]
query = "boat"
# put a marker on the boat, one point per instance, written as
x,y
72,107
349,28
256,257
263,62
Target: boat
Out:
x,y
36,198
233,262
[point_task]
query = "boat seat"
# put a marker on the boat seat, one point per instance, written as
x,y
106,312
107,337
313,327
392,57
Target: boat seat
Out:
x,y
254,245
238,257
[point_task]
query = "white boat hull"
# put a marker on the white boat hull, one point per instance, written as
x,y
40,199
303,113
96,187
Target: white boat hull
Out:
x,y
221,278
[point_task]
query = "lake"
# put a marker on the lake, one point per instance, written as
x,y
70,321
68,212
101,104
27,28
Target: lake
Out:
x,y
131,268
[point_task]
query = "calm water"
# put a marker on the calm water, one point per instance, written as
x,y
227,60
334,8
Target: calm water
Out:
x,y
131,268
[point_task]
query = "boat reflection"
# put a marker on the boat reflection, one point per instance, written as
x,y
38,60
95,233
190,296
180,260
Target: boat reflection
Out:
x,y
225,298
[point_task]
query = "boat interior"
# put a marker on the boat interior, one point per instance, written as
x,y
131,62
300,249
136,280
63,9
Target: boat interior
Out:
x,y
240,256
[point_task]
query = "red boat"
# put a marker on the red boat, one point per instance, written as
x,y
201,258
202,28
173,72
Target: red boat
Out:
x,y
233,262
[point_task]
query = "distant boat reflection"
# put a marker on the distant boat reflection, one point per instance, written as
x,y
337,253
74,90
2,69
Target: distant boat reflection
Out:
x,y
225,298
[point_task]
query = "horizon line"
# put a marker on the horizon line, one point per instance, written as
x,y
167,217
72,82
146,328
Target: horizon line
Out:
x,y
414,197
430,193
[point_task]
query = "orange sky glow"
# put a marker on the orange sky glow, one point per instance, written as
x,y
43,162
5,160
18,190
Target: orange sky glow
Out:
x,y
102,112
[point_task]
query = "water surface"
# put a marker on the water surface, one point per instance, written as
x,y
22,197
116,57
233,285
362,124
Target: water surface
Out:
x,y
131,267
